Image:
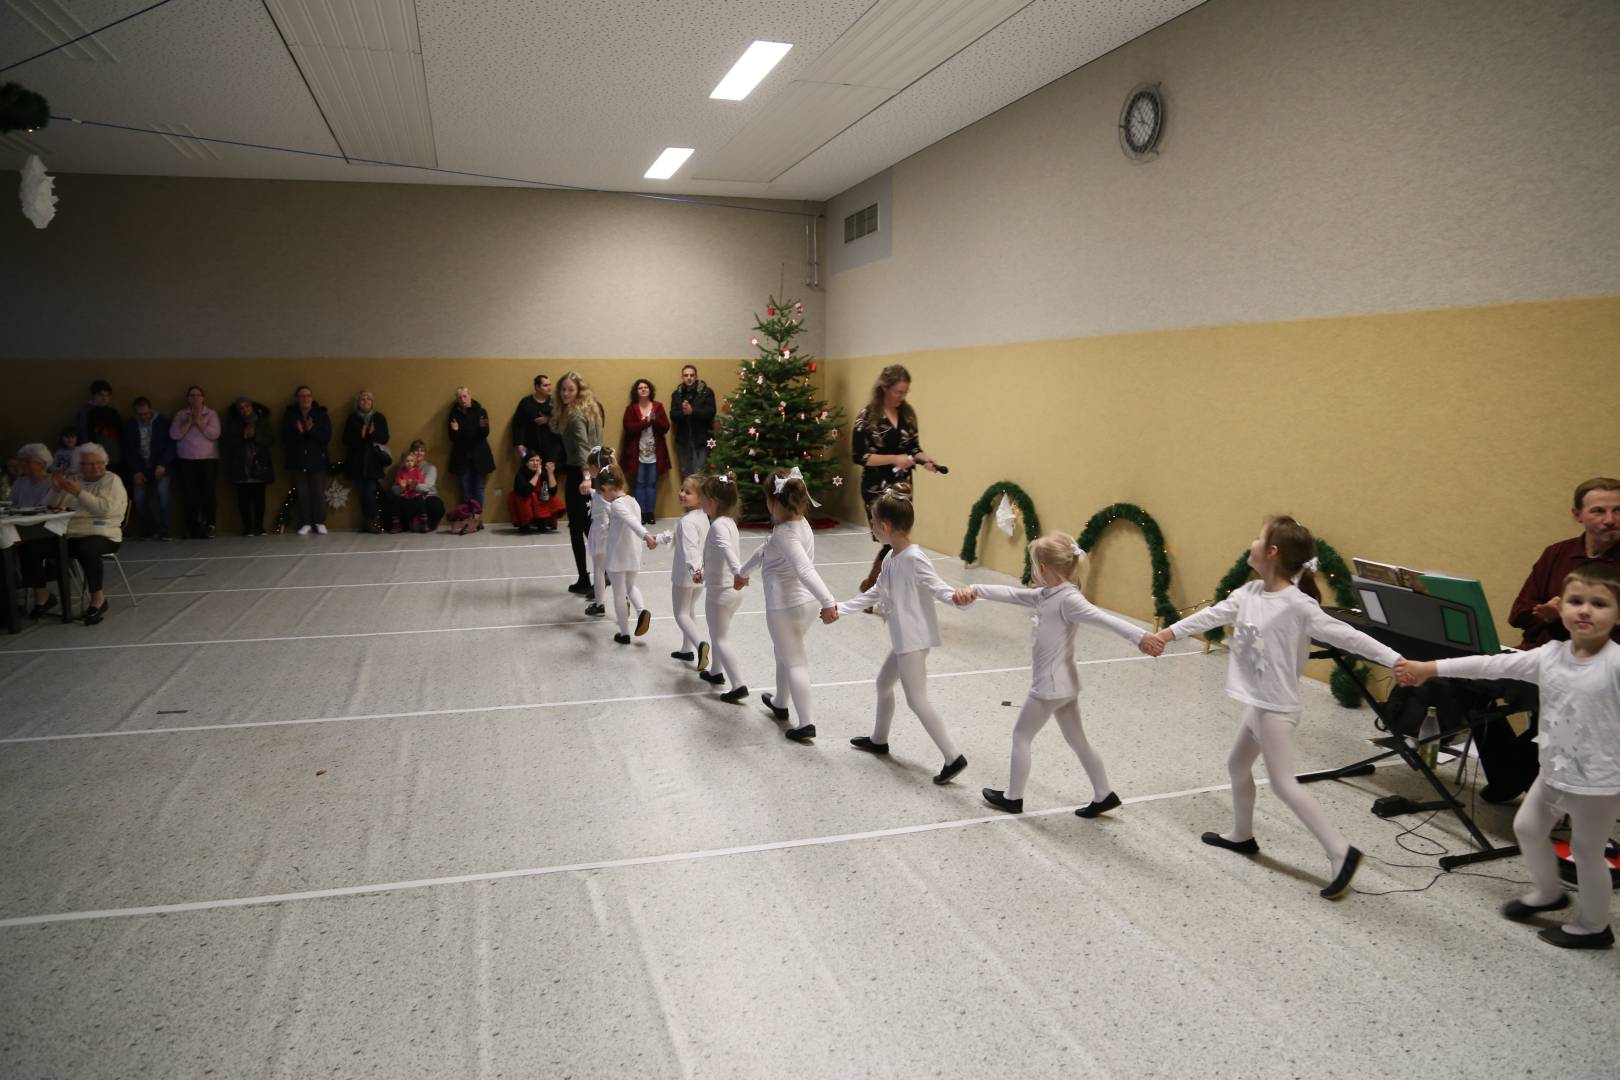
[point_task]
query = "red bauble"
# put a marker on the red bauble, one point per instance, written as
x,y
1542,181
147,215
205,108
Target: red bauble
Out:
x,y
726,407
770,312
812,367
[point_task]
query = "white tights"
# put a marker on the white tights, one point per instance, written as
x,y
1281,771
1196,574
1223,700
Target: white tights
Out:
x,y
1591,819
626,597
1271,735
787,627
910,670
599,575
719,605
683,598
1031,718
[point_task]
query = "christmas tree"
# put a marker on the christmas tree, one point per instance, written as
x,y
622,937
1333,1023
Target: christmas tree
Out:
x,y
774,418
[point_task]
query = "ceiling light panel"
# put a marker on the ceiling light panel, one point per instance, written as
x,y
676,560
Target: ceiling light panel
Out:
x,y
363,62
755,63
893,44
668,162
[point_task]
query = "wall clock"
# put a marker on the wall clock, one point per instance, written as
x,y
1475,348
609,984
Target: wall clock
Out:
x,y
1141,123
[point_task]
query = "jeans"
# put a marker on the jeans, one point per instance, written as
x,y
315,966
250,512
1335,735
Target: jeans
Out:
x,y
152,512
472,484
647,487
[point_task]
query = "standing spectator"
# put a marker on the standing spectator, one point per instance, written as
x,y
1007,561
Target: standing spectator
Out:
x,y
413,499
249,468
305,432
195,431
365,441
98,422
148,458
577,422
531,425
642,449
693,407
99,500
470,457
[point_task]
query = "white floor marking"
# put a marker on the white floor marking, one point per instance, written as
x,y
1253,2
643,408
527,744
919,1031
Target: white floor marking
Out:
x,y
571,868
516,707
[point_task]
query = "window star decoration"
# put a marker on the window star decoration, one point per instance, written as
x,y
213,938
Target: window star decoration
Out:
x,y
838,481
711,444
337,495
38,201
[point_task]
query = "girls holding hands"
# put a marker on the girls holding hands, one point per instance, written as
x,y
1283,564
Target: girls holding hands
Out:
x,y
686,572
722,565
794,592
908,587
625,535
1273,621
1055,688
1579,751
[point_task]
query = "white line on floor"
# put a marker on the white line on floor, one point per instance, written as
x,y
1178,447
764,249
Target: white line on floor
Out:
x,y
517,707
411,550
570,868
426,581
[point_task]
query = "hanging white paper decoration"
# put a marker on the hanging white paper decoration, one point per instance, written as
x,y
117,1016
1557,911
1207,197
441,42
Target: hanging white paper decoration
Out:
x,y
38,202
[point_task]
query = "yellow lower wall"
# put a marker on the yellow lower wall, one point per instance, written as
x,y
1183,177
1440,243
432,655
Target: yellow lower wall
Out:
x,y
415,395
1449,439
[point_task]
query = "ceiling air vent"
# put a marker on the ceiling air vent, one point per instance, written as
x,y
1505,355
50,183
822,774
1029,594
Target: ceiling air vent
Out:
x,y
860,223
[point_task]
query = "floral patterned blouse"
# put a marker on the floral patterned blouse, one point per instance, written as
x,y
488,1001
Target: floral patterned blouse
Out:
x,y
881,437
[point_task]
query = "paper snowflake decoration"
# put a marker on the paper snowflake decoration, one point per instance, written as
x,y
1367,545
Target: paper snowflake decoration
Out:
x,y
712,444
337,495
834,430
838,481
38,201
754,432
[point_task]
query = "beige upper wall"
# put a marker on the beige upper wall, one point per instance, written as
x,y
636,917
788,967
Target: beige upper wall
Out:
x,y
1319,158
151,267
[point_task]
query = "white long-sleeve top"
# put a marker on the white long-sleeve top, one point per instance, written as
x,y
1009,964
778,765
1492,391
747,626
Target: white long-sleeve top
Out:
x,y
1271,642
722,554
909,586
597,536
1579,736
1059,610
788,562
626,535
690,532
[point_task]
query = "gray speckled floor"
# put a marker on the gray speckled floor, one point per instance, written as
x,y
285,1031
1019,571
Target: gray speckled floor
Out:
x,y
351,744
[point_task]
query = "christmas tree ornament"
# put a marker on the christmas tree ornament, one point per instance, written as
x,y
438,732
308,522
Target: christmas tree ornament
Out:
x,y
770,313
838,481
760,380
813,371
754,341
711,444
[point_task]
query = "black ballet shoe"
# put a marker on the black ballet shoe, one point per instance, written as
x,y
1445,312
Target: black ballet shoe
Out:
x,y
622,639
734,695
1557,935
703,655
1518,910
1341,881
999,800
595,609
712,677
1242,847
580,587
643,621
948,773
802,734
862,742
1094,808
681,655
776,710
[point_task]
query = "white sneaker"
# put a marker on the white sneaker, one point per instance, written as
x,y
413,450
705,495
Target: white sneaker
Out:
x,y
320,529
303,530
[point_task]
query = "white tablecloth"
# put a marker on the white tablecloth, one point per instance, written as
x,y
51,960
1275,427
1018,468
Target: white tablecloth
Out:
x,y
55,520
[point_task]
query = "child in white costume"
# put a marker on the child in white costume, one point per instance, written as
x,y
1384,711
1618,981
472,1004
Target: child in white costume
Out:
x,y
686,573
794,592
722,563
1273,621
909,588
625,536
596,538
1579,751
1055,685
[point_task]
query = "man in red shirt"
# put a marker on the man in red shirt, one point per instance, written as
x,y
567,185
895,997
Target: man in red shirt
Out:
x,y
1597,511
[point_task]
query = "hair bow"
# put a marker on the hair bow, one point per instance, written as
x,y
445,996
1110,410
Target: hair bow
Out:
x,y
724,478
1079,552
892,492
1312,564
794,474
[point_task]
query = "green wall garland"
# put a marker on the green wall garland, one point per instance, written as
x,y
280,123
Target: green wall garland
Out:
x,y
1026,508
1158,557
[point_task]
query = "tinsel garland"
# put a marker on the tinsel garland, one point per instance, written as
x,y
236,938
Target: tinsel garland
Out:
x,y
1026,509
1158,557
1332,567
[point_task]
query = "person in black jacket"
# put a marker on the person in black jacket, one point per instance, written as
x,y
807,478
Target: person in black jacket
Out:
x,y
245,442
470,457
148,463
366,457
691,410
305,431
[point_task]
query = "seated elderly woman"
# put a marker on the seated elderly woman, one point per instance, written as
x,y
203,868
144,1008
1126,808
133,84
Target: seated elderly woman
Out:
x,y
99,501
33,486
